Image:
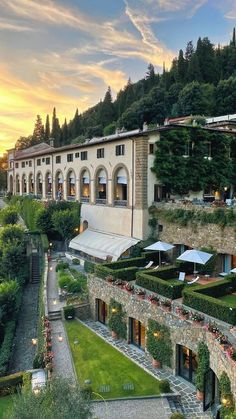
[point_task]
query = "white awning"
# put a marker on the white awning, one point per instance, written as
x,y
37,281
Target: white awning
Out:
x,y
100,245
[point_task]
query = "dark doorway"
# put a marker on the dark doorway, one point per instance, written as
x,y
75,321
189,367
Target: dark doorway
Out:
x,y
186,363
211,391
137,333
102,311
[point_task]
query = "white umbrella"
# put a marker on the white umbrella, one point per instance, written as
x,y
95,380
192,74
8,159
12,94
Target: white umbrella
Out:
x,y
160,247
195,256
233,270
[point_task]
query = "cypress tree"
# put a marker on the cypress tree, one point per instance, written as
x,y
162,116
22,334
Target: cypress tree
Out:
x,y
181,66
47,129
56,130
38,134
76,125
64,134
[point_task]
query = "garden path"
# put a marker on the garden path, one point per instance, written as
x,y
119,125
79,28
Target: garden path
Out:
x,y
63,364
23,350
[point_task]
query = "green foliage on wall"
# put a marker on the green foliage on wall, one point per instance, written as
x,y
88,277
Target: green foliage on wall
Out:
x,y
117,321
203,365
159,344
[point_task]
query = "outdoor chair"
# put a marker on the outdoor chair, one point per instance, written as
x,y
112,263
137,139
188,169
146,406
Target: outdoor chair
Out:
x,y
193,280
181,276
148,265
155,268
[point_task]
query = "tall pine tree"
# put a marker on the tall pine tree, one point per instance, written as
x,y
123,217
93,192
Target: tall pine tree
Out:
x,y
38,134
47,129
56,130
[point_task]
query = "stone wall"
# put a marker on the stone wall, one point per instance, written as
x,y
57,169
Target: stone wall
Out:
x,y
221,239
183,332
83,311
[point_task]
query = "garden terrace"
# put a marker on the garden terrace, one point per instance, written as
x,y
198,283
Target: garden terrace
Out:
x,y
123,269
208,299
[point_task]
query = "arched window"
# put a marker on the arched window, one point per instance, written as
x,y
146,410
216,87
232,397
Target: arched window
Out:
x,y
31,183
120,187
48,184
24,185
39,185
101,187
85,186
71,185
10,186
17,184
59,185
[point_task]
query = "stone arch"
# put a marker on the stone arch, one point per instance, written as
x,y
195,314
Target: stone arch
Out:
x,y
85,184
120,185
59,185
101,185
48,184
17,184
31,183
10,184
39,184
71,184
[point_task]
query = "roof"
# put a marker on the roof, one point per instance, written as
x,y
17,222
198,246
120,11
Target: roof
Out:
x,y
35,149
102,245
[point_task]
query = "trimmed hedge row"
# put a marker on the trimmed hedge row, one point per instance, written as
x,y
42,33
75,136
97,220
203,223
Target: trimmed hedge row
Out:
x,y
127,263
6,348
199,299
125,274
169,289
9,383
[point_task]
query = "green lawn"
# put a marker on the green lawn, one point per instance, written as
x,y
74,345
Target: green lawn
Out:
x,y
231,299
98,361
5,403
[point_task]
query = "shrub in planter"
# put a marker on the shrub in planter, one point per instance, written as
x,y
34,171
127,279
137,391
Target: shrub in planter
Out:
x,y
164,386
76,261
74,287
61,266
129,287
226,395
64,280
203,366
69,312
116,321
38,360
158,342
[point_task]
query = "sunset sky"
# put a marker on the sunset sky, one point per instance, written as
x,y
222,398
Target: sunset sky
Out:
x,y
65,53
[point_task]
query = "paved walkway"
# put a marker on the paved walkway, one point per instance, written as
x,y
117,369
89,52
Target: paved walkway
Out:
x,y
63,364
192,408
133,409
26,330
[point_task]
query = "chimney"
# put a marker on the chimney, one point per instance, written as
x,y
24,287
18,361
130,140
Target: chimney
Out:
x,y
145,126
51,142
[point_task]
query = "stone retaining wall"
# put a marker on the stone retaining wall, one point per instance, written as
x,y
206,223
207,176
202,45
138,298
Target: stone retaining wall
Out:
x,y
83,311
182,332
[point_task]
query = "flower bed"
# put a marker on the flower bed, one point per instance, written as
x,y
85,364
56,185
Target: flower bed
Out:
x,y
48,354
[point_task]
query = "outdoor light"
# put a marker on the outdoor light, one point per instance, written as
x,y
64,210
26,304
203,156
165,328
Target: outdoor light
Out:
x,y
60,338
34,341
225,188
50,244
36,391
113,310
51,268
54,301
76,229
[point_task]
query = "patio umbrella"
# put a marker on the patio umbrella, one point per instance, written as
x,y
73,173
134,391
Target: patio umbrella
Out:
x,y
195,256
160,247
233,271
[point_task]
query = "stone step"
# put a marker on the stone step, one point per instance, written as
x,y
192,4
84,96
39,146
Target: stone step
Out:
x,y
54,315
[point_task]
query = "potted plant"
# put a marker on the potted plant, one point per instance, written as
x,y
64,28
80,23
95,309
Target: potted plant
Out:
x,y
109,278
140,293
116,321
166,305
154,299
129,287
159,344
183,313
197,318
118,283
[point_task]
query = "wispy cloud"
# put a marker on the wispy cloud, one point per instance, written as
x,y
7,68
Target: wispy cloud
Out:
x,y
14,26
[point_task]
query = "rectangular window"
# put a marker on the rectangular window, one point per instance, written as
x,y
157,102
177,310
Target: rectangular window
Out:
x,y
76,155
120,150
22,164
58,159
151,148
30,163
84,155
47,160
17,165
38,162
69,157
100,153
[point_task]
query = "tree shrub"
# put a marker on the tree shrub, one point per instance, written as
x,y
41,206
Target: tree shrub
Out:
x,y
203,365
164,386
75,261
159,343
117,321
69,312
9,215
6,348
177,415
61,266
89,266
65,280
38,361
74,287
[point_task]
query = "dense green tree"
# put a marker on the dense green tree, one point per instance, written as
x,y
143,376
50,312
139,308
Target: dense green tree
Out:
x,y
225,96
47,129
75,128
196,99
9,299
107,112
65,134
206,58
24,142
110,129
56,130
189,51
9,215
193,71
12,259
181,67
65,222
58,400
38,134
11,233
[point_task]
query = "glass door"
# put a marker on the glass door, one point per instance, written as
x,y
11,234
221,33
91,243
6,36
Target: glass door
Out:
x,y
209,390
187,363
102,311
137,333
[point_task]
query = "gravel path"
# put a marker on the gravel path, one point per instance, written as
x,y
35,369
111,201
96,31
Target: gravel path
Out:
x,y
133,409
24,351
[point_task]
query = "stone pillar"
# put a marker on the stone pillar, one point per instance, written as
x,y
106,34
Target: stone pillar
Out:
x,y
141,175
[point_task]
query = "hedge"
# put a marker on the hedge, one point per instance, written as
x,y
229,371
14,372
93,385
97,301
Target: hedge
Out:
x,y
199,299
168,288
89,266
6,348
126,274
127,263
9,383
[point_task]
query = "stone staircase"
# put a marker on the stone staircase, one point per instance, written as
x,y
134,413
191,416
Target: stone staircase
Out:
x,y
35,269
54,315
